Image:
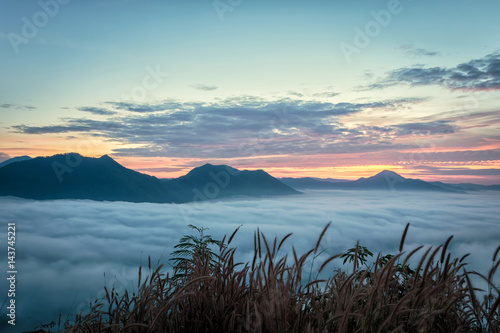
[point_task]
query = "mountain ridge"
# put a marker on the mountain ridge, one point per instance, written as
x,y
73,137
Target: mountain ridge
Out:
x,y
223,181
14,160
384,180
73,176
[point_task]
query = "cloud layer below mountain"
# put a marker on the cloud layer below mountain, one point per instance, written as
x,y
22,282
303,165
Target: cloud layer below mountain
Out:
x,y
65,246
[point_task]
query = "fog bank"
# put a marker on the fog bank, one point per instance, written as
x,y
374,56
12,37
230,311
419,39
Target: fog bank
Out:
x,y
67,250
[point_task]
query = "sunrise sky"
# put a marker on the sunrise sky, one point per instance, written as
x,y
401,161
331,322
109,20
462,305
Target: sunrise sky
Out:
x,y
338,89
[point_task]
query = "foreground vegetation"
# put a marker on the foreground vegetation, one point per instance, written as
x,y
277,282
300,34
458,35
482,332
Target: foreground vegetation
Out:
x,y
210,292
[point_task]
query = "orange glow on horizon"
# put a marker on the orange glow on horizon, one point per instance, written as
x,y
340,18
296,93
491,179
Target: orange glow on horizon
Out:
x,y
339,166
48,145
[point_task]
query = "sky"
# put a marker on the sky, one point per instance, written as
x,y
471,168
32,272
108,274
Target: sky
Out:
x,y
331,89
115,238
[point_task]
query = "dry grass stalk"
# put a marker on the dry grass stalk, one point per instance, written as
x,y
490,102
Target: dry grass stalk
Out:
x,y
270,295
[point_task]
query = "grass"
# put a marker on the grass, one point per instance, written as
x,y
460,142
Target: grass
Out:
x,y
269,294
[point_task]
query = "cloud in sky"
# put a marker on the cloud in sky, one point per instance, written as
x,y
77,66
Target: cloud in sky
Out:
x,y
297,137
412,50
295,93
326,94
63,263
477,74
462,156
204,87
428,128
16,106
4,157
145,108
97,111
461,171
236,127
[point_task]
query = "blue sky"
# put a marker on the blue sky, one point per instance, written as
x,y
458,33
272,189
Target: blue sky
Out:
x,y
90,64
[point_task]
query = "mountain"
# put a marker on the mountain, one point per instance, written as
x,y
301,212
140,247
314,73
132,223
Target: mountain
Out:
x,y
385,180
15,159
72,176
390,180
222,181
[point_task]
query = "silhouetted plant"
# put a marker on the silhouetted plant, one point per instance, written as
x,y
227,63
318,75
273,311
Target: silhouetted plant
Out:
x,y
191,247
358,255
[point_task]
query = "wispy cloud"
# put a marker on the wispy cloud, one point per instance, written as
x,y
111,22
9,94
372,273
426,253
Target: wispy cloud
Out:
x,y
17,106
204,87
462,156
145,107
97,110
428,128
461,171
326,94
295,93
477,74
412,50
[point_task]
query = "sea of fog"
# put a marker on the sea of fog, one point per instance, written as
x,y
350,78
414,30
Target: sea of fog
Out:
x,y
68,250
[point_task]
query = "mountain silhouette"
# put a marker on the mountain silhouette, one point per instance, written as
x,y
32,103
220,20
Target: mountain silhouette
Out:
x,y
222,181
390,180
72,176
14,159
385,180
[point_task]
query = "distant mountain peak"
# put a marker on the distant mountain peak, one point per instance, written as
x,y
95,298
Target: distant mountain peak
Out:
x,y
389,174
107,158
66,154
209,181
15,159
210,167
